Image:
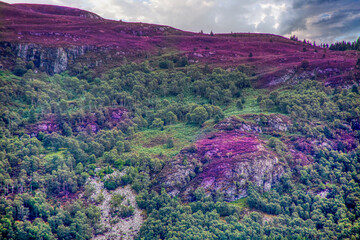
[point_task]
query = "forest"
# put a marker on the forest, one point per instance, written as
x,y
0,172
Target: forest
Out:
x,y
58,132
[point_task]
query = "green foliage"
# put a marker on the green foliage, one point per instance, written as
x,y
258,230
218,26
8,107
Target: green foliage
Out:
x,y
198,115
170,143
157,123
166,64
277,145
73,222
126,211
116,200
111,183
241,203
183,62
344,46
239,105
312,99
170,118
328,133
117,208
20,68
354,88
32,115
162,110
67,131
295,212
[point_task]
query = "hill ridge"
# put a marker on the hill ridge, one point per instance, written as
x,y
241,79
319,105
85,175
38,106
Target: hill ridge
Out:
x,y
30,29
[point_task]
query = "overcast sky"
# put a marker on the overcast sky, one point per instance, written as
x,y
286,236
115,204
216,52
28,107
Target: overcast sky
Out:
x,y
315,20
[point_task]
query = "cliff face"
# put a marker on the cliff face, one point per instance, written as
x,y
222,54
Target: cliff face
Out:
x,y
50,59
226,161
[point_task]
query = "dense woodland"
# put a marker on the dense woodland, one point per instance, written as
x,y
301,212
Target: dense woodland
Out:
x,y
343,46
42,173
337,46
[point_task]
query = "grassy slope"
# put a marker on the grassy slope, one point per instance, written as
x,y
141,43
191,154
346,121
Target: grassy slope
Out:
x,y
153,142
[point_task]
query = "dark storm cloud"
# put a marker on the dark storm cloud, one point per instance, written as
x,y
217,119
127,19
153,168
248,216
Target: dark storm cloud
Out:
x,y
322,20
299,3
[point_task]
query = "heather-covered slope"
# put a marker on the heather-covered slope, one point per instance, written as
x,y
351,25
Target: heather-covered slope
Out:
x,y
113,130
223,163
32,31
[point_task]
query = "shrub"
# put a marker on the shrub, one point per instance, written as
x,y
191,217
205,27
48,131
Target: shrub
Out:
x,y
170,143
305,64
20,68
164,64
111,183
157,123
239,105
277,145
126,211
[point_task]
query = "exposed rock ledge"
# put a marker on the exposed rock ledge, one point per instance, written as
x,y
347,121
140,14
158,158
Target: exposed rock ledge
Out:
x,y
50,59
224,162
125,228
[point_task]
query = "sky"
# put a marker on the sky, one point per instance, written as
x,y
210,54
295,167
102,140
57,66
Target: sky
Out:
x,y
323,21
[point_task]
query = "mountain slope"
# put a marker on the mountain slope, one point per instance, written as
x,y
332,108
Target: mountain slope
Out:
x,y
113,130
30,29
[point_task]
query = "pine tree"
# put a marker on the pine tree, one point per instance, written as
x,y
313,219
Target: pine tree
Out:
x,y
32,115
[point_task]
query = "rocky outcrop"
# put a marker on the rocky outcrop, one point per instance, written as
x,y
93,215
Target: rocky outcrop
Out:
x,y
235,154
227,160
223,162
235,158
115,227
50,59
255,123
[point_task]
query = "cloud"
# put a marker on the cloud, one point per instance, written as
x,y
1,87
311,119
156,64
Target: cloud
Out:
x,y
191,15
320,20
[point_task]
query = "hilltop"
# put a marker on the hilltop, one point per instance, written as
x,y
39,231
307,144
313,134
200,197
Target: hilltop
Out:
x,y
53,37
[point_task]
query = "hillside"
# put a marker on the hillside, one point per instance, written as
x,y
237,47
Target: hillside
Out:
x,y
53,37
115,130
